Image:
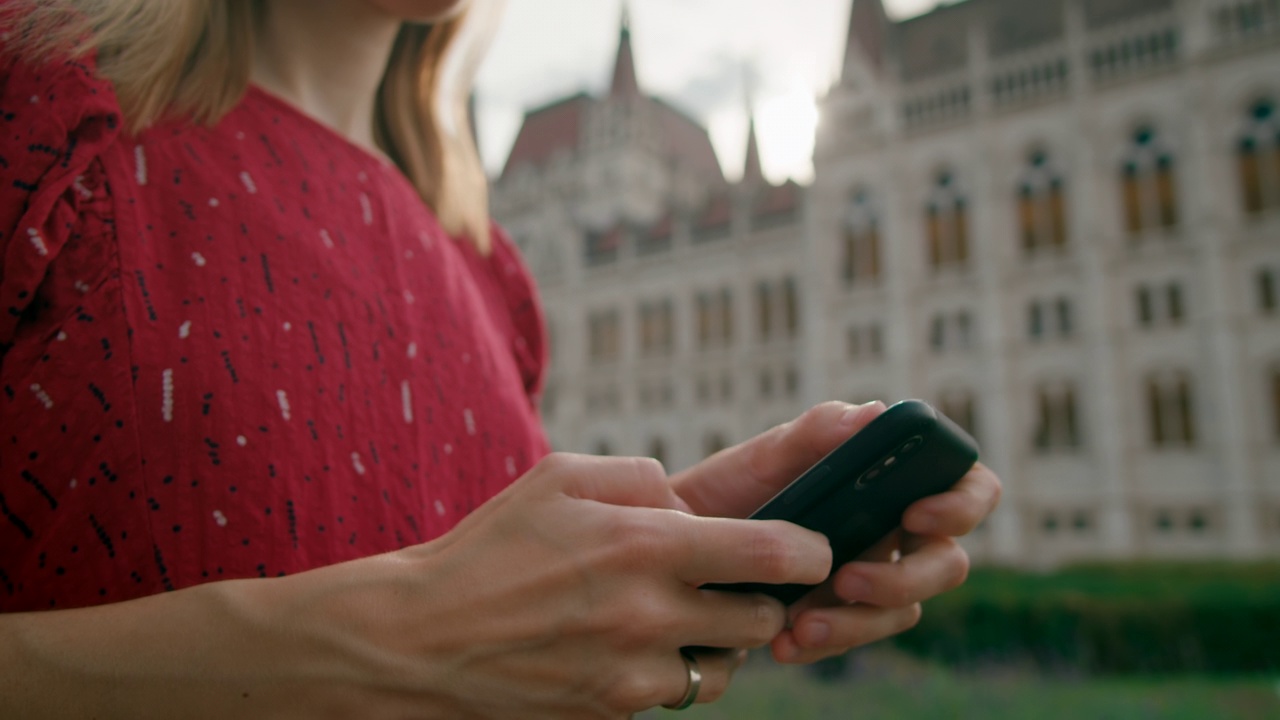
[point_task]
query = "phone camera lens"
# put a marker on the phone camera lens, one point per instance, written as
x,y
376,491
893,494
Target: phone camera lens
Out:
x,y
890,460
868,476
911,445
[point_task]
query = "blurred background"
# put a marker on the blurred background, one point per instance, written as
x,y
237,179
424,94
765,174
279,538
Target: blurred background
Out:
x,y
1058,221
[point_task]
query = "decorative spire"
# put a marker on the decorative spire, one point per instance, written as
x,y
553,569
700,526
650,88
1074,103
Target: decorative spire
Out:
x,y
624,67
868,25
752,172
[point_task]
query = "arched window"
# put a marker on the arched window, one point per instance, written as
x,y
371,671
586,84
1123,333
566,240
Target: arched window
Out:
x,y
1275,402
1149,184
1042,212
1170,410
958,404
1259,159
1057,425
861,261
947,224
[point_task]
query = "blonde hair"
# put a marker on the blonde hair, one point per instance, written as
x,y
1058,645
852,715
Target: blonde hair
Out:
x,y
193,57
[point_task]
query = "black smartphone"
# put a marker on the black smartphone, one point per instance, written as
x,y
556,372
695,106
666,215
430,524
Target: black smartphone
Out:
x,y
856,495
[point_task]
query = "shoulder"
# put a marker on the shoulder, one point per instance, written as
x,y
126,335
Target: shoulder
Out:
x,y
56,114
57,93
56,118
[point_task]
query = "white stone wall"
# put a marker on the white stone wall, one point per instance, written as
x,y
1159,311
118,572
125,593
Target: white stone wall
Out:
x,y
1104,499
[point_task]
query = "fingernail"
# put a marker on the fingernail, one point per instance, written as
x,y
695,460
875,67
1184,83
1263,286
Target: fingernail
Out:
x,y
924,523
852,589
816,633
789,653
854,414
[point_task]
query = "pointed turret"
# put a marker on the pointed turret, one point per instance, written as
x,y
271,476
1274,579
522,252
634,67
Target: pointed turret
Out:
x,y
624,66
752,172
868,26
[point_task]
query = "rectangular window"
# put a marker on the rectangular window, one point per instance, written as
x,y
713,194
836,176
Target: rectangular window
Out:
x,y
1275,402
726,317
938,336
666,326
964,330
1166,193
1132,200
849,268
1155,413
704,320
1035,320
961,239
871,251
1066,324
960,408
875,340
1267,291
1146,313
1027,218
1070,421
1250,177
602,336
854,343
648,328
1043,438
1176,310
1058,214
791,306
934,229
1171,408
764,311
1186,418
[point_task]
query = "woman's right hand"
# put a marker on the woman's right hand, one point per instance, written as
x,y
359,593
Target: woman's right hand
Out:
x,y
569,595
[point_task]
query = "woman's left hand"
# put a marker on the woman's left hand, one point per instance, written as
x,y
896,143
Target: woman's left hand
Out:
x,y
879,594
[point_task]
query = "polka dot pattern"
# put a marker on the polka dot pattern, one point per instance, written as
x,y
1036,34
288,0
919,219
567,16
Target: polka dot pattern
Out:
x,y
238,351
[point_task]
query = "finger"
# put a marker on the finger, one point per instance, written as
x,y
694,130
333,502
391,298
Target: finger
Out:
x,y
885,551
722,550
831,631
959,510
715,619
738,480
936,565
637,482
717,668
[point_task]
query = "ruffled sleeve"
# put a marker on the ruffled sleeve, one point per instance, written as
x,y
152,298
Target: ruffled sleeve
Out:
x,y
530,341
56,118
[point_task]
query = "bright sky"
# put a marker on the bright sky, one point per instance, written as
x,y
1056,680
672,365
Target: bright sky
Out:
x,y
698,54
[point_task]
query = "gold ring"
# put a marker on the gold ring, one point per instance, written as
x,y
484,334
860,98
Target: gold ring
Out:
x,y
695,682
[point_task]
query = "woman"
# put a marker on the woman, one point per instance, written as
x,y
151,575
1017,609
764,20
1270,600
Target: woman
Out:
x,y
263,349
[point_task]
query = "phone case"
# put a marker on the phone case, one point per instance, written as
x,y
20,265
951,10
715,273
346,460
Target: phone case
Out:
x,y
856,495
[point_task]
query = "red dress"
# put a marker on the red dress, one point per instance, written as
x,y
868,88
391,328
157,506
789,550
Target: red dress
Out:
x,y
238,351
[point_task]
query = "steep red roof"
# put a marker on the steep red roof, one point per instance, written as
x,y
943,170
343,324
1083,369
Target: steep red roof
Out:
x,y
559,125
663,227
687,141
716,213
548,129
777,199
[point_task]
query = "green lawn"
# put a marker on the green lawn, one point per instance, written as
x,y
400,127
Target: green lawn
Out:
x,y
889,685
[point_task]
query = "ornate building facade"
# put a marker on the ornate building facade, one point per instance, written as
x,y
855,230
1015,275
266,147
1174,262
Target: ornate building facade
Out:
x,y
1057,221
